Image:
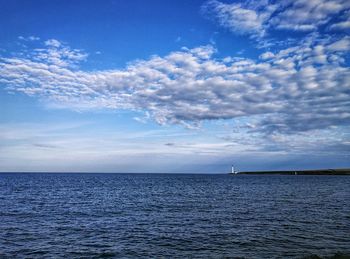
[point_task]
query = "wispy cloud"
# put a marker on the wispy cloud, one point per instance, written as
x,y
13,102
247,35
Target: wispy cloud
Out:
x,y
258,18
29,38
74,147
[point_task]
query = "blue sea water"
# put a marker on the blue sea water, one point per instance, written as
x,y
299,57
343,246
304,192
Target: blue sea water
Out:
x,y
173,216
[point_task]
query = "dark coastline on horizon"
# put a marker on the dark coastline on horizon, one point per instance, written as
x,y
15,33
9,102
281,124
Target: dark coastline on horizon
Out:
x,y
343,171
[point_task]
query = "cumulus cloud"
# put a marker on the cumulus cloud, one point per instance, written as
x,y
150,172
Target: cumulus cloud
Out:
x,y
258,18
294,90
267,55
306,15
238,17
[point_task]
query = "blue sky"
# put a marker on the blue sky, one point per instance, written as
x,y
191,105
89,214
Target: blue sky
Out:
x,y
174,86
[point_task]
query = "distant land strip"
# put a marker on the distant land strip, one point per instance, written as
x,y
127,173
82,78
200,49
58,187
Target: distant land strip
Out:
x,y
344,171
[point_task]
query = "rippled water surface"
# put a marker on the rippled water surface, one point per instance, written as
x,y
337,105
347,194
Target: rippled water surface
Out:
x,y
159,215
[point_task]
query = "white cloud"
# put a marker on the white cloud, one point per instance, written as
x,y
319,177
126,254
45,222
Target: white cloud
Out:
x,y
340,45
53,43
297,89
306,15
267,55
300,15
29,38
56,53
341,25
236,17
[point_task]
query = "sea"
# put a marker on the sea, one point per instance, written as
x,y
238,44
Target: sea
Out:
x,y
95,215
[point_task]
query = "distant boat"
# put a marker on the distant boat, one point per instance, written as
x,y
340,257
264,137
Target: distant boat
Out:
x,y
233,171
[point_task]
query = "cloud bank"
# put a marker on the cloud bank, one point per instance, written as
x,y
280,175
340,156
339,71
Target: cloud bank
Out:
x,y
293,90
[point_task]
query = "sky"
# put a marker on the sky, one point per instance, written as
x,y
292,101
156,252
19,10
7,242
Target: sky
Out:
x,y
174,86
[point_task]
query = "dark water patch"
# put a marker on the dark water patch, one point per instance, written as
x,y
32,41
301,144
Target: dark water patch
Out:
x,y
335,256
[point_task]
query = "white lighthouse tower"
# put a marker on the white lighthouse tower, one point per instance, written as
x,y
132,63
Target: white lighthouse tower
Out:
x,y
233,170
